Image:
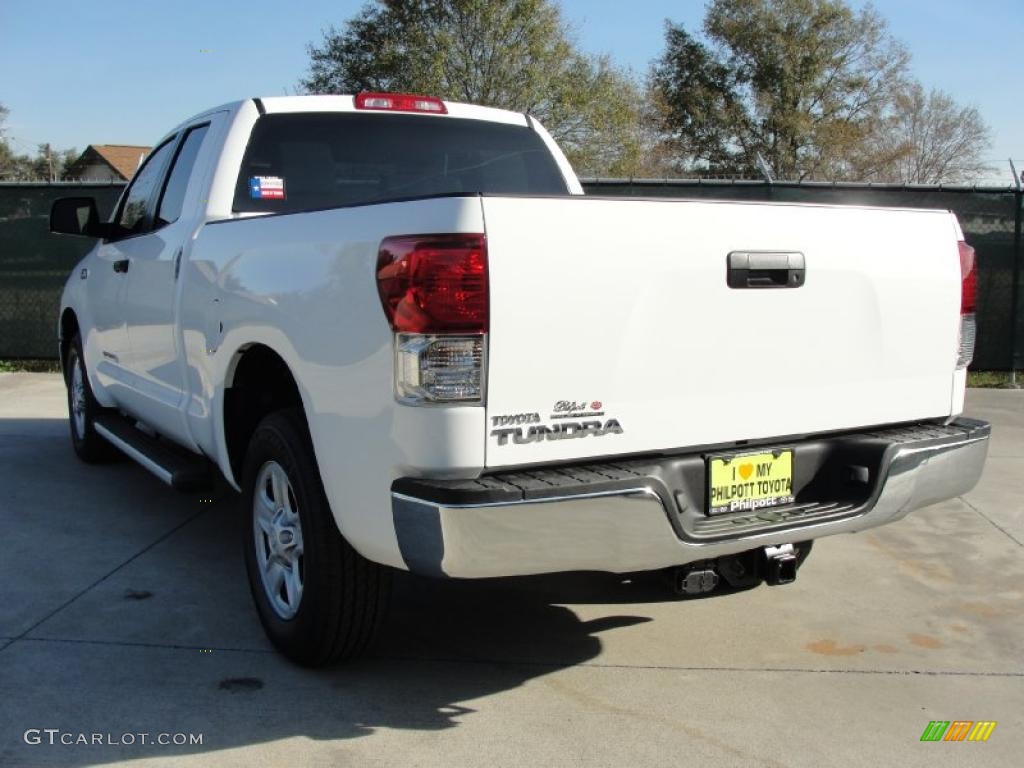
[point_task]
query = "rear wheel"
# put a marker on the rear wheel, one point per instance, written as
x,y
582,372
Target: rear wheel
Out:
x,y
318,599
83,409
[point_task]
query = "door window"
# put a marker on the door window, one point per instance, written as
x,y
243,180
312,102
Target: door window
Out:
x,y
136,210
174,193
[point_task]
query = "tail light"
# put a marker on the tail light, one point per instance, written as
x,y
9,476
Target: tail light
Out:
x,y
400,102
968,296
434,292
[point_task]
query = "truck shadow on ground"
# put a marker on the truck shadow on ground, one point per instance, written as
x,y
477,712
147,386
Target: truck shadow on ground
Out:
x,y
111,661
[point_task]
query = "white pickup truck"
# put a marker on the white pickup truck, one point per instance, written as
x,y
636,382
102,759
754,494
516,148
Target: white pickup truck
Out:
x,y
398,327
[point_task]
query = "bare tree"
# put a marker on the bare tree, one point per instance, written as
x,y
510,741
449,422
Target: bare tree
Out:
x,y
927,139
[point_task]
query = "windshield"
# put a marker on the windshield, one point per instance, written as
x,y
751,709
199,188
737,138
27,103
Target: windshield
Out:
x,y
297,162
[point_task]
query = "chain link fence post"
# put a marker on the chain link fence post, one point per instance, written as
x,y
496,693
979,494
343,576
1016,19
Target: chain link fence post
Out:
x,y
1016,337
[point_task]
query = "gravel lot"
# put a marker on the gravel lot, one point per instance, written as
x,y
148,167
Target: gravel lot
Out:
x,y
127,612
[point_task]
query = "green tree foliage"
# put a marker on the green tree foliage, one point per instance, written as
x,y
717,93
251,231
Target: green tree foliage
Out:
x,y
6,155
803,83
512,54
47,165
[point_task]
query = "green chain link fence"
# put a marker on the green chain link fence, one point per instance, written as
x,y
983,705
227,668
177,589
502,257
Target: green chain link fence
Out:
x,y
34,263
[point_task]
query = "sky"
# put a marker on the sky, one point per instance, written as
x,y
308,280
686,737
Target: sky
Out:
x,y
116,72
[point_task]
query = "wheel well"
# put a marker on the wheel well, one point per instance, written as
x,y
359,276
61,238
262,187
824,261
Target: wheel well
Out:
x,y
262,384
68,329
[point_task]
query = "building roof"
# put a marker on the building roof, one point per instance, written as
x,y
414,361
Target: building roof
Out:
x,y
123,158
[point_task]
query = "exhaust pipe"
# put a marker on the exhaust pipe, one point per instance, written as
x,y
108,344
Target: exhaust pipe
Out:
x,y
780,564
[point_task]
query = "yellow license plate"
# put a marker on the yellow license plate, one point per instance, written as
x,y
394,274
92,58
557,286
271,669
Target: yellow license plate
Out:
x,y
750,482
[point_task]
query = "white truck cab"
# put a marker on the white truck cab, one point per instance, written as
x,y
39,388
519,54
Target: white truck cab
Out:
x,y
398,328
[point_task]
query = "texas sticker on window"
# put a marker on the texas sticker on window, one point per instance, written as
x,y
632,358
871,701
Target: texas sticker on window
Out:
x,y
266,188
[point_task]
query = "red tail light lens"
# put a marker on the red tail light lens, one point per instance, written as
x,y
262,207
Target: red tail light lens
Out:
x,y
968,278
401,102
434,283
968,296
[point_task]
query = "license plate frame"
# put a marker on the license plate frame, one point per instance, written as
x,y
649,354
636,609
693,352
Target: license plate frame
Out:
x,y
733,492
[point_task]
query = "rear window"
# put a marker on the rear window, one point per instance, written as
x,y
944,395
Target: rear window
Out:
x,y
297,162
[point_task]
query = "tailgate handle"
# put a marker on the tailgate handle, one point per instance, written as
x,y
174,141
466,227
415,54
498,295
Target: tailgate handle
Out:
x,y
766,269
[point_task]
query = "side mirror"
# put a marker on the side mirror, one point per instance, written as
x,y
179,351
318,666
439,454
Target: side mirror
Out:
x,y
78,216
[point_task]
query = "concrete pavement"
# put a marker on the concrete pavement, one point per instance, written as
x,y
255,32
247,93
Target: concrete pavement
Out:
x,y
126,611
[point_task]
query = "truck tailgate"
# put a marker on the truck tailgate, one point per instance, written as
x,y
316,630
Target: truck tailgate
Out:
x,y
618,312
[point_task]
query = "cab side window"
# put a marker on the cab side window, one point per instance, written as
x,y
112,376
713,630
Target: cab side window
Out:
x,y
135,215
177,182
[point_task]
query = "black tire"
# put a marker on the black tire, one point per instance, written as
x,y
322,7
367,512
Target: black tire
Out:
x,y
343,596
88,445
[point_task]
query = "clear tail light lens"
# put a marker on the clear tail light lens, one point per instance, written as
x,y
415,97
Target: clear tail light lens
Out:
x,y
439,369
968,299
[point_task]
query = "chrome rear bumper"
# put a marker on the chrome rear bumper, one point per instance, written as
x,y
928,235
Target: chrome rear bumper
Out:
x,y
646,515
